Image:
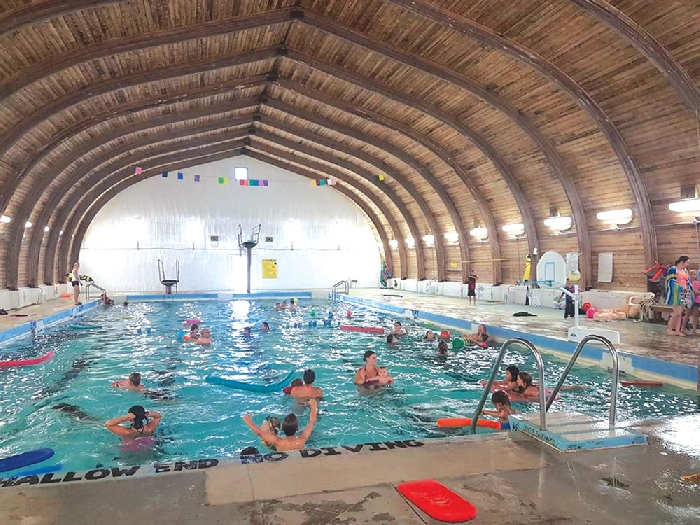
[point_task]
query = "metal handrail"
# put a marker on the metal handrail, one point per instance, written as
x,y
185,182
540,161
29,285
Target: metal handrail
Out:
x,y
494,371
335,287
615,373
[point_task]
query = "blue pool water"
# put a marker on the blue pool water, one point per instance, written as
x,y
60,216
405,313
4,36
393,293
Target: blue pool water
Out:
x,y
203,420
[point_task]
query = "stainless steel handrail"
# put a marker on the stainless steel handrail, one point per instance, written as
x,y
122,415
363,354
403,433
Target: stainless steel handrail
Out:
x,y
335,287
494,371
615,373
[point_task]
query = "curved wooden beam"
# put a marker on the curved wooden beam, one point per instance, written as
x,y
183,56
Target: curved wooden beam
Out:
x,y
646,44
496,101
16,19
448,120
579,95
12,251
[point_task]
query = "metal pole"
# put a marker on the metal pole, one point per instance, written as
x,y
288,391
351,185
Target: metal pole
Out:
x,y
576,301
248,250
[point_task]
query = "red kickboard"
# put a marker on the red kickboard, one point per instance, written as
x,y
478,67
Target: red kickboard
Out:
x,y
640,383
437,501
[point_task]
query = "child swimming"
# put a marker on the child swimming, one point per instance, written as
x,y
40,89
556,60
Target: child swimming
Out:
x,y
503,409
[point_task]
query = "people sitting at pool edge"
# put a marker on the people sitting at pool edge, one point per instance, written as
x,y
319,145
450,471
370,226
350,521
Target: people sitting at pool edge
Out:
x,y
480,338
399,330
503,409
205,337
307,389
290,426
140,425
132,383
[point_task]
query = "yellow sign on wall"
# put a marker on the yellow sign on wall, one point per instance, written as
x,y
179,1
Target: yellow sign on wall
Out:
x,y
269,269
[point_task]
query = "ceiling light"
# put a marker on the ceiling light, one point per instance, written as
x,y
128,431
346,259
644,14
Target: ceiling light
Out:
x,y
394,243
479,233
452,236
685,205
5,219
429,240
46,228
623,216
558,223
61,232
515,228
27,224
411,242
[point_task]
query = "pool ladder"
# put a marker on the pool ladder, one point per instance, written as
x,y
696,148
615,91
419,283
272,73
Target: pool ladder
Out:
x,y
334,290
544,406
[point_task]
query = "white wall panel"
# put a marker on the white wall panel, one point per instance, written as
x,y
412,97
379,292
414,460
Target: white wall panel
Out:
x,y
319,236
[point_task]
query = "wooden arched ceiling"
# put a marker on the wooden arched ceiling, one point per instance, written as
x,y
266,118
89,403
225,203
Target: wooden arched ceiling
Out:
x,y
478,114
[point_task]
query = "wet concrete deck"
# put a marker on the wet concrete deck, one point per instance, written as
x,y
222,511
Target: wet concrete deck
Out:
x,y
639,338
511,480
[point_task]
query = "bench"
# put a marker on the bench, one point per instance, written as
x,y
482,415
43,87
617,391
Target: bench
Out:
x,y
659,311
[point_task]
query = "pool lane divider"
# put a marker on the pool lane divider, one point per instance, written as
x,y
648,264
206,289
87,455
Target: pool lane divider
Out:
x,y
9,480
685,375
218,296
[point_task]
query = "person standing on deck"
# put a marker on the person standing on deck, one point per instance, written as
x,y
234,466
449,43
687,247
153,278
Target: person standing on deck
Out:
x,y
471,287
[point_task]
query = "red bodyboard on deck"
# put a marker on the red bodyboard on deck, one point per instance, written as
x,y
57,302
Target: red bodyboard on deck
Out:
x,y
437,501
633,382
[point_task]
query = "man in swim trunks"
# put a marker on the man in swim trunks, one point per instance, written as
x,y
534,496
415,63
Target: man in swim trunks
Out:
x,y
139,420
132,383
290,425
75,283
307,390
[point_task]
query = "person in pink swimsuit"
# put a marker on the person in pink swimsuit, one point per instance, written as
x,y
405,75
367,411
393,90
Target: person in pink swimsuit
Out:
x,y
694,310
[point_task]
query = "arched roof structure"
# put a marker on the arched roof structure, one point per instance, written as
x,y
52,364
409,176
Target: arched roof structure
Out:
x,y
477,114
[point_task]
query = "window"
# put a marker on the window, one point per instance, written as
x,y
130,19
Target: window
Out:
x,y
240,173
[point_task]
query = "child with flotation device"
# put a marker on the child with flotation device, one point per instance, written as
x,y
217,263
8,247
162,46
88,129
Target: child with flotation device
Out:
x,y
205,337
296,382
503,409
193,335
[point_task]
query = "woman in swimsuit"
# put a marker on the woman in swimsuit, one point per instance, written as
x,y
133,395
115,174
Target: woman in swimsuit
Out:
x,y
370,372
142,423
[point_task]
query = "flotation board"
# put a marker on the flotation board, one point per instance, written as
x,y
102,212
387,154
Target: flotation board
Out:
x,y
25,459
691,478
85,326
640,383
27,362
437,501
251,387
367,329
453,422
287,390
190,322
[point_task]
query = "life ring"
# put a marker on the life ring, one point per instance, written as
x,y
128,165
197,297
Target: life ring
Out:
x,y
453,422
250,387
366,329
25,459
27,362
190,322
641,383
86,326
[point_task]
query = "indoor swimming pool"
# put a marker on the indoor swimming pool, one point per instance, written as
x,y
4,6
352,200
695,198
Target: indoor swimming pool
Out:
x,y
64,403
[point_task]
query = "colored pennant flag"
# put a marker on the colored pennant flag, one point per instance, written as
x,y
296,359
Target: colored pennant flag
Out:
x,y
314,182
255,182
223,180
380,177
180,175
196,178
165,174
243,182
330,182
264,183
137,171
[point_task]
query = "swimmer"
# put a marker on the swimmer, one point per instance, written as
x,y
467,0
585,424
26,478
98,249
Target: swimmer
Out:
x,y
384,378
205,337
194,331
307,389
290,425
132,383
139,420
283,306
106,300
442,348
392,339
265,328
125,304
429,336
480,338
511,382
246,331
278,306
525,386
399,330
370,372
502,404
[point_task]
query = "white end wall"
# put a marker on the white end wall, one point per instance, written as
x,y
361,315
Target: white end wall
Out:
x,y
319,236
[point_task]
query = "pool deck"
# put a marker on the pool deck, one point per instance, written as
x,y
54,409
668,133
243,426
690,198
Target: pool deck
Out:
x,y
509,478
